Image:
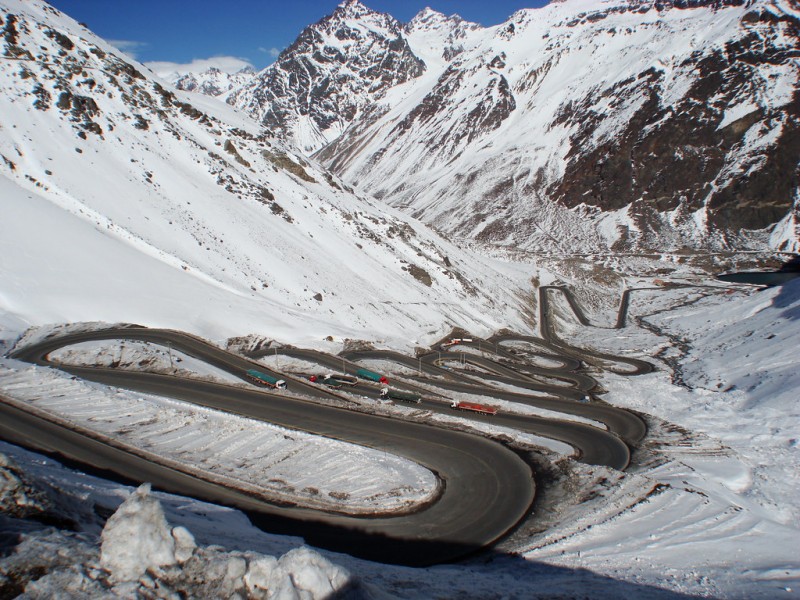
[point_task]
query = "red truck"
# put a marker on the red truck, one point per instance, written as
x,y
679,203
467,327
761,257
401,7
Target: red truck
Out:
x,y
473,407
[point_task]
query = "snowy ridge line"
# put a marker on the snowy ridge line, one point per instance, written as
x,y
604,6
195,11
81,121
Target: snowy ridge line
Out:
x,y
257,492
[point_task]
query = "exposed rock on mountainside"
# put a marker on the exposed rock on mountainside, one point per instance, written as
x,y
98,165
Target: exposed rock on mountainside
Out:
x,y
609,124
710,149
105,170
323,80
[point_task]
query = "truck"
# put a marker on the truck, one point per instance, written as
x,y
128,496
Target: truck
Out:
x,y
334,381
474,407
455,342
342,379
372,376
263,379
390,394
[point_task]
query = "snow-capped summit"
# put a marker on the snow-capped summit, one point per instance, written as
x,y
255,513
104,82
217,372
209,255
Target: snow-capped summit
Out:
x,y
599,124
353,9
429,19
612,123
214,81
324,80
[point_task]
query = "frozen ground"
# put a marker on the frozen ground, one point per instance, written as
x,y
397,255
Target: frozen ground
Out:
x,y
723,447
708,509
137,554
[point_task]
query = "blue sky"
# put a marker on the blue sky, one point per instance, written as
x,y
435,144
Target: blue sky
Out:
x,y
182,31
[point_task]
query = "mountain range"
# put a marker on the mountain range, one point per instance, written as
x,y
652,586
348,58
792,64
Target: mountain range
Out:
x,y
579,126
124,199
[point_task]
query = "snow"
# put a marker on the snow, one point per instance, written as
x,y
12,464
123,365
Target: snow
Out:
x,y
132,354
726,521
140,555
168,217
708,509
268,460
572,56
136,227
137,538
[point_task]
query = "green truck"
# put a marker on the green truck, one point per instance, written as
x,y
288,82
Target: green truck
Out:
x,y
390,394
372,376
267,380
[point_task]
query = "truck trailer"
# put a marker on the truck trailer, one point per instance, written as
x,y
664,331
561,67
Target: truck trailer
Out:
x,y
390,394
263,379
474,407
372,376
334,381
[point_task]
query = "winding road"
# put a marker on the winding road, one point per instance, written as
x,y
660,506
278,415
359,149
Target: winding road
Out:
x,y
486,489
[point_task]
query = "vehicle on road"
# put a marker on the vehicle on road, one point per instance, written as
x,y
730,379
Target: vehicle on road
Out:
x,y
343,379
267,380
325,380
372,376
334,381
474,407
390,394
455,342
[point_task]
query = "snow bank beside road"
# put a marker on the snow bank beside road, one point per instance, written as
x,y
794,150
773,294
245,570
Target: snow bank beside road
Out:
x,y
142,556
131,354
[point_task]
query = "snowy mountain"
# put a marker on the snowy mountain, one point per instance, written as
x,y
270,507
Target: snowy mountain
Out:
x,y
125,200
332,71
213,81
586,124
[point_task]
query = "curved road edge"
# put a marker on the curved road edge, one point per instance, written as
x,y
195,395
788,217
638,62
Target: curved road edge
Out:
x,y
488,489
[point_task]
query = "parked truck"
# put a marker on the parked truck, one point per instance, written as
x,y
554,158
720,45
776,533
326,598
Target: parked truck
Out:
x,y
474,407
263,379
372,376
390,394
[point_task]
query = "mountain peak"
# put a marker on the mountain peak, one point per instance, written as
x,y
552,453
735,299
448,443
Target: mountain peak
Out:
x,y
429,19
363,51
353,8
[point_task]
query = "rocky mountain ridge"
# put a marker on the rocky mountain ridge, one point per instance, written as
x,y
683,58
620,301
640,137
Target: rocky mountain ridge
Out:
x,y
106,170
600,124
335,68
213,81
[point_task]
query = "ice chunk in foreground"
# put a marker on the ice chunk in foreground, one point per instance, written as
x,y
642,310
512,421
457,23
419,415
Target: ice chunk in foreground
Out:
x,y
137,537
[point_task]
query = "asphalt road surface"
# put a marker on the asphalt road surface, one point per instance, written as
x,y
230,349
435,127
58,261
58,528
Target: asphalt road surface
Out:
x,y
486,488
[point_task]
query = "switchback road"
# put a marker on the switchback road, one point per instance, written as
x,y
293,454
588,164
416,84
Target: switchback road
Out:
x,y
487,488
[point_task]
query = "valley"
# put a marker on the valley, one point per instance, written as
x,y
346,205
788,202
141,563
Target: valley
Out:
x,y
423,309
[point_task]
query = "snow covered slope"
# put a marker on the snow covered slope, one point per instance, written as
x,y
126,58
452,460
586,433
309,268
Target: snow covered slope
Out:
x,y
722,518
584,124
124,200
